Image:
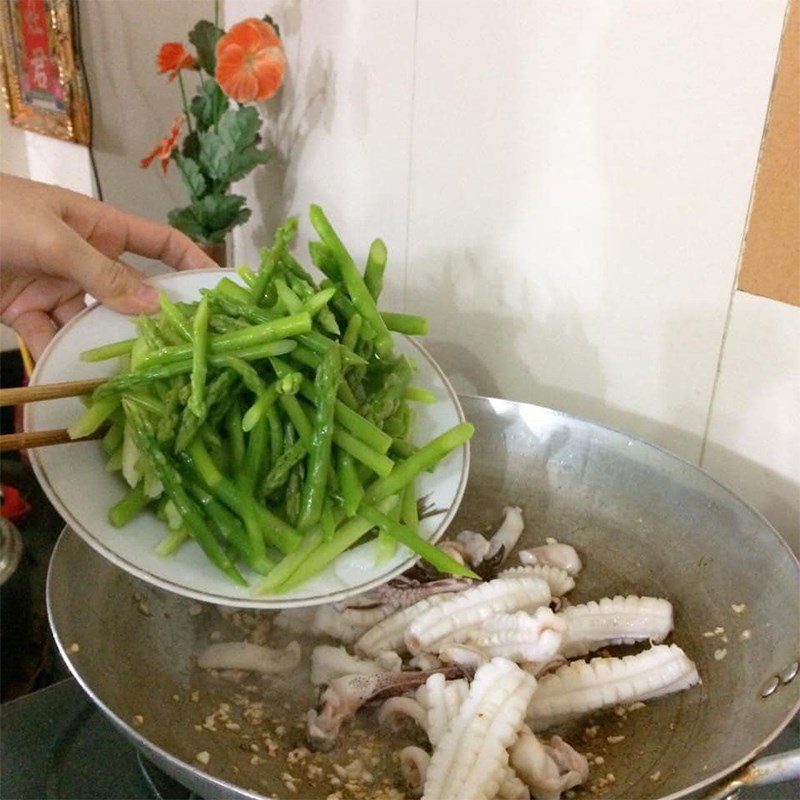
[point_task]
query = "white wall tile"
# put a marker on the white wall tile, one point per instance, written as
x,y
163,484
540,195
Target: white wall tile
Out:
x,y
340,126
754,433
580,180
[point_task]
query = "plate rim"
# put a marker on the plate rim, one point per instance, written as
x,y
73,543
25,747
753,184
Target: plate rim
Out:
x,y
205,596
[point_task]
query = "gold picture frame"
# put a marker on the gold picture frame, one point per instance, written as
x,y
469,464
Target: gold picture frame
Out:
x,y
43,85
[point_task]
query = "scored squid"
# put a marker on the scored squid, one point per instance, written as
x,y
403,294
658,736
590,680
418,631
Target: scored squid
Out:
x,y
457,613
585,686
614,620
471,760
519,637
559,581
389,633
402,592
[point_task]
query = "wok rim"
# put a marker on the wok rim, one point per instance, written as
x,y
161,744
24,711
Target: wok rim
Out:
x,y
181,766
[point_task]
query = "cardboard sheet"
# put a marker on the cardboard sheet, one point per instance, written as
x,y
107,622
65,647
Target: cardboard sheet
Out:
x,y
771,256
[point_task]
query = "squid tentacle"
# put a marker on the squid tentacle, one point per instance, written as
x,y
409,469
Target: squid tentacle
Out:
x,y
547,770
414,763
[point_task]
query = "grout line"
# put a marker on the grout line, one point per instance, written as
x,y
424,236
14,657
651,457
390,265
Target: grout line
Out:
x,y
734,287
410,152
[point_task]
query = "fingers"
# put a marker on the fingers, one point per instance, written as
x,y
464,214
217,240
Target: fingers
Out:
x,y
119,231
66,254
36,329
66,311
149,239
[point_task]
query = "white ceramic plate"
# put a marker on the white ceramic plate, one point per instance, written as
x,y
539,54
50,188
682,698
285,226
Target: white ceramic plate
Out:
x,y
75,480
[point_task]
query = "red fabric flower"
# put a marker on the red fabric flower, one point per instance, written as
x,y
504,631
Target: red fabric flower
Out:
x,y
173,57
250,61
163,150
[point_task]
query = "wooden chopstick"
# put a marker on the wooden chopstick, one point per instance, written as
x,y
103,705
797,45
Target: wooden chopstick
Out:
x,y
29,439
48,391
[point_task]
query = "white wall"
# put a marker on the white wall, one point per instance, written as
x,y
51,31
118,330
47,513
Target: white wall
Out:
x,y
563,188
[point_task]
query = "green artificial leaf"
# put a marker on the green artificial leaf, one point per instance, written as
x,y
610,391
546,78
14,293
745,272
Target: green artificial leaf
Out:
x,y
239,133
224,211
214,157
193,178
185,220
268,19
209,219
208,104
243,161
238,128
191,146
204,36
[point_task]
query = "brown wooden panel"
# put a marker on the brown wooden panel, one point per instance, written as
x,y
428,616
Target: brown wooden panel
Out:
x,y
771,256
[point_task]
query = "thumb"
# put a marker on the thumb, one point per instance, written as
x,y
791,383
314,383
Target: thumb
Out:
x,y
111,281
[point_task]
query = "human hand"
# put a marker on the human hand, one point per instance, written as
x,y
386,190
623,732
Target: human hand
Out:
x,y
56,245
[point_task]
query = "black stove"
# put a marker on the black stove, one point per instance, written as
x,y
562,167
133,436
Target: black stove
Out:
x,y
57,745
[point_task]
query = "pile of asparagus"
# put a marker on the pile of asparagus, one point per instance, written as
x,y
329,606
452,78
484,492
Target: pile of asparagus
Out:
x,y
270,422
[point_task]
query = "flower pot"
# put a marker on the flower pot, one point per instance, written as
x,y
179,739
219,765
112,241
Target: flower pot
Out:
x,y
219,252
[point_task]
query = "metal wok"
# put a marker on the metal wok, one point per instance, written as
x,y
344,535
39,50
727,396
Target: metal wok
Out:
x,y
644,521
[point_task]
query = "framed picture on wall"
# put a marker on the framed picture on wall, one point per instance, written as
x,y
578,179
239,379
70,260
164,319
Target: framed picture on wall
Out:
x,y
43,84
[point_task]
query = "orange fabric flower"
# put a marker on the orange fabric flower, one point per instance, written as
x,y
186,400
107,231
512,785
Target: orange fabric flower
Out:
x,y
163,150
250,61
173,57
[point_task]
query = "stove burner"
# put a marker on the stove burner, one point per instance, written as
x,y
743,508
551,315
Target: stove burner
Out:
x,y
162,786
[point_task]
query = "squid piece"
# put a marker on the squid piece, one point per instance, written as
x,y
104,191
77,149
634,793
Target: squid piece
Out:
x,y
507,535
463,655
347,624
519,637
474,546
471,759
414,763
425,662
342,698
559,581
563,556
512,787
295,620
451,617
329,663
547,770
585,686
453,549
441,700
394,709
614,620
403,592
250,657
389,633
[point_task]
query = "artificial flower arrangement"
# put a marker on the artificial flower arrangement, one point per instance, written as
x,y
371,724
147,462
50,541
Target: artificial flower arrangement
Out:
x,y
221,137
